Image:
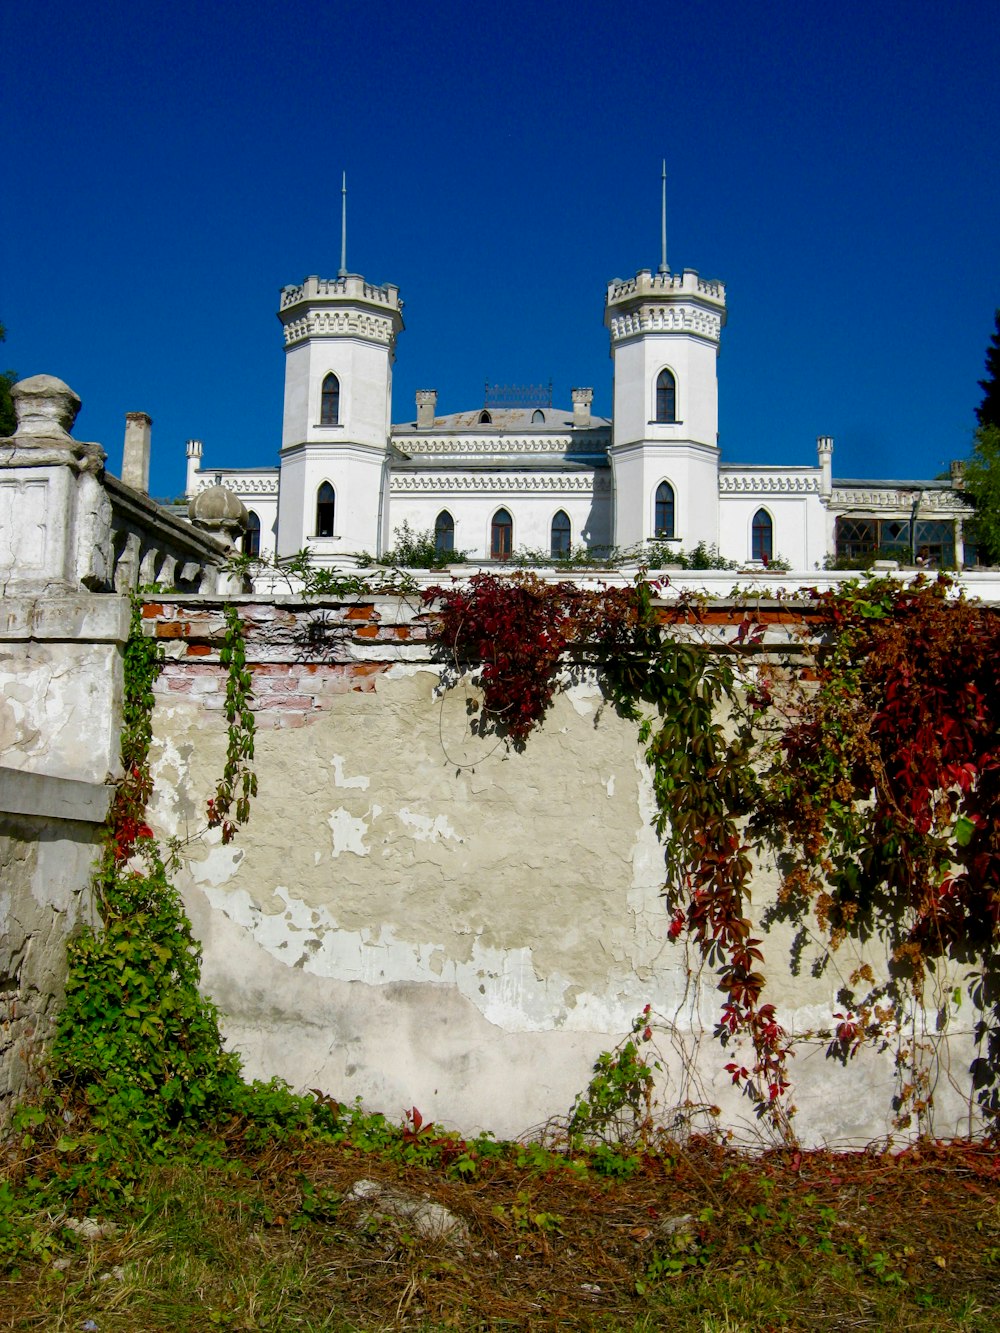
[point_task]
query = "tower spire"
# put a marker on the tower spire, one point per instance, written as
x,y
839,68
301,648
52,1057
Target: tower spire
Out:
x,y
342,271
663,224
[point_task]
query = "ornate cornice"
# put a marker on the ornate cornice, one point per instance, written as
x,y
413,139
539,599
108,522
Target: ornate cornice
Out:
x,y
883,499
502,444
240,485
341,323
490,483
679,318
761,483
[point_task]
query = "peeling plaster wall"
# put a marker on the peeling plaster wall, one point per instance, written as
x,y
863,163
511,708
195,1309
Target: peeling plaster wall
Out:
x,y
60,718
417,915
45,867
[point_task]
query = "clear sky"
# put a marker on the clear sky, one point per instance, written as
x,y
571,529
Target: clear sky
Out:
x,y
168,169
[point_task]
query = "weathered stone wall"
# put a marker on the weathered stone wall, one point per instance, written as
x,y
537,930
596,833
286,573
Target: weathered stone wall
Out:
x,y
418,915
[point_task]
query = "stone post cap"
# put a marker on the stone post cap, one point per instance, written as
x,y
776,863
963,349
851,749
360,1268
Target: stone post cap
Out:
x,y
220,512
45,407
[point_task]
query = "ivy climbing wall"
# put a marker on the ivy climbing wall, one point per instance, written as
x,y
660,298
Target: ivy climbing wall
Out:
x,y
418,914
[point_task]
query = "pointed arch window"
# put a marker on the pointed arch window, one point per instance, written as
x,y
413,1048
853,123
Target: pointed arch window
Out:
x,y
251,538
329,404
485,419
444,533
762,537
325,507
666,396
538,417
663,518
501,535
560,535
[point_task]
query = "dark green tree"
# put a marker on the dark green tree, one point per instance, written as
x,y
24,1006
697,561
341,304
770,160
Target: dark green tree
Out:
x,y
8,378
982,485
988,411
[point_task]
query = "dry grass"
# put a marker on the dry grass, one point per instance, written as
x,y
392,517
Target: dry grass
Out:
x,y
785,1241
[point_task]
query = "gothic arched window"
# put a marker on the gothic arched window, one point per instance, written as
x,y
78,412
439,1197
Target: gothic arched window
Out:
x,y
663,519
538,417
444,533
485,419
762,537
666,396
501,535
325,505
251,538
329,404
560,535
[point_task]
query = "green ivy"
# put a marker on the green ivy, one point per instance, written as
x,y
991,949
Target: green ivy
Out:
x,y
136,1038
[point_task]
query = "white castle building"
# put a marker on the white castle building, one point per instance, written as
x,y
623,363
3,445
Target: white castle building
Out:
x,y
513,474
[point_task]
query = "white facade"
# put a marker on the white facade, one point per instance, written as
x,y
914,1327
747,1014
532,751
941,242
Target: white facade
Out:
x,y
504,478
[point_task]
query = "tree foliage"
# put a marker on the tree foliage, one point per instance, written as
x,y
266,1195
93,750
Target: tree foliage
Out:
x,y
8,378
982,484
988,411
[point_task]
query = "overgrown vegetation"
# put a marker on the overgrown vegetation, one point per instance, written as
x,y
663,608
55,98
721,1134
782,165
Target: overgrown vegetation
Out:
x,y
413,550
151,1187
874,788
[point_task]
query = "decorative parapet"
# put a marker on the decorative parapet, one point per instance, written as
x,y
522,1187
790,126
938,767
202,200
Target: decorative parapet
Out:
x,y
492,482
761,482
338,307
647,283
665,303
243,483
897,499
351,287
595,442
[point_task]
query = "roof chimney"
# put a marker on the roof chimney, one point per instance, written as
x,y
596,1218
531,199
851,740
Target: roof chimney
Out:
x,y
824,457
135,458
426,407
582,398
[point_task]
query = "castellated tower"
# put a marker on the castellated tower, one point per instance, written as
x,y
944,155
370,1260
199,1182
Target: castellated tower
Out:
x,y
665,331
340,336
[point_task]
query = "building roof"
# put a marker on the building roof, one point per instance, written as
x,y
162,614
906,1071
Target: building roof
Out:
x,y
501,418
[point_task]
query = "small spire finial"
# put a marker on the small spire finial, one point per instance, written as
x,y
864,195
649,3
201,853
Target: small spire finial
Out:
x,y
342,271
663,224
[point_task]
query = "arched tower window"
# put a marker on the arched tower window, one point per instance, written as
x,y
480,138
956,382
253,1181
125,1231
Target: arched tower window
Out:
x,y
485,419
663,519
501,535
251,538
444,533
329,404
762,537
666,396
560,535
325,505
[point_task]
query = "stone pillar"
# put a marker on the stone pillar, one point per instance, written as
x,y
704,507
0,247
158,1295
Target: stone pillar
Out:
x,y
582,399
426,407
135,458
61,640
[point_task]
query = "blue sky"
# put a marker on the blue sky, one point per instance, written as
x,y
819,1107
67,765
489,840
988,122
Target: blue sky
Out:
x,y
169,168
